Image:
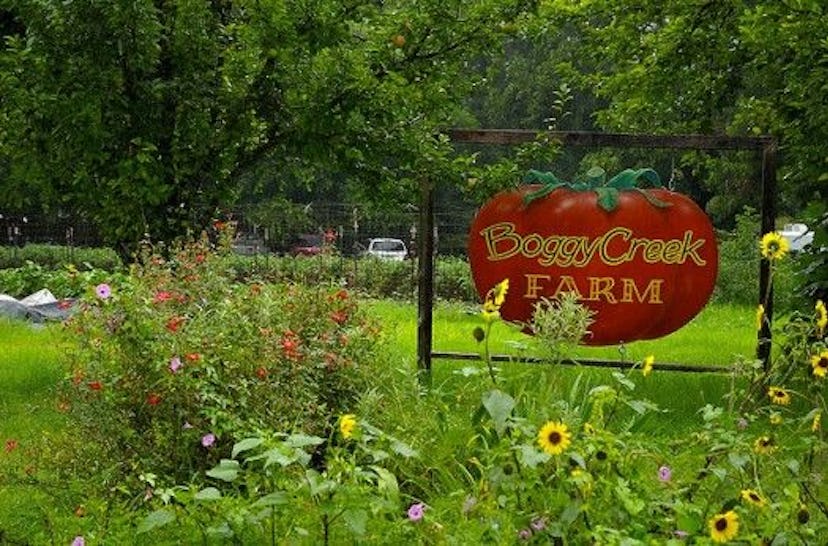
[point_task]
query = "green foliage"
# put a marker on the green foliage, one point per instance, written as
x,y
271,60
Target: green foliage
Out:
x,y
145,116
57,256
67,282
738,280
560,325
170,366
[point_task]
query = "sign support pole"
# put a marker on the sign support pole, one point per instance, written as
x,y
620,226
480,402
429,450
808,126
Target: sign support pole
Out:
x,y
425,282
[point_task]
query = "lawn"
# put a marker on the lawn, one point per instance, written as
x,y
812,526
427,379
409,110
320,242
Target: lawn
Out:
x,y
453,426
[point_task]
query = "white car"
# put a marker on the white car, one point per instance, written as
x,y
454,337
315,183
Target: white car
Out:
x,y
387,249
797,235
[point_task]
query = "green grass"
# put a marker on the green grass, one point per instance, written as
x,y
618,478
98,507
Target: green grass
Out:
x,y
439,422
29,372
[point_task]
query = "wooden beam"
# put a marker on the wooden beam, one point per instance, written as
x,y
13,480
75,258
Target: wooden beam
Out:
x,y
425,281
612,140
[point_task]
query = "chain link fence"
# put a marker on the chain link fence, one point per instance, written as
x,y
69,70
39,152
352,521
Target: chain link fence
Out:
x,y
346,227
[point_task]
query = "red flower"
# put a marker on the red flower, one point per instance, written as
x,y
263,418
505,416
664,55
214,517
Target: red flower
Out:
x,y
153,399
193,357
64,304
339,317
219,225
200,258
95,385
11,445
261,372
162,296
174,324
290,345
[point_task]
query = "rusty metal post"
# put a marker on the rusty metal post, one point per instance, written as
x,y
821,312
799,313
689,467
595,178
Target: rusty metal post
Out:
x,y
425,282
768,178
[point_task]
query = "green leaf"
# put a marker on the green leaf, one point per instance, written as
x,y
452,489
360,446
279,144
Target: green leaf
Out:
x,y
532,457
738,460
607,198
277,498
227,470
356,520
157,519
303,440
208,493
500,406
386,482
246,445
401,448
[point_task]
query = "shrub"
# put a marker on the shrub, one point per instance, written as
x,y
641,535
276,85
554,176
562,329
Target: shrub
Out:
x,y
171,365
67,282
738,280
56,257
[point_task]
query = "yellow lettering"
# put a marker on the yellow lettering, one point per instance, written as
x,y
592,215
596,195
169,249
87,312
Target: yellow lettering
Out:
x,y
689,249
533,285
567,284
601,286
629,289
495,235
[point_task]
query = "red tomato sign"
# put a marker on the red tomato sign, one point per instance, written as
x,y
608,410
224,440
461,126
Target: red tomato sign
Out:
x,y
646,267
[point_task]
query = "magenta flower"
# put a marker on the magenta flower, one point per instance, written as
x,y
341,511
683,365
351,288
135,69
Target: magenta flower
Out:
x,y
665,473
208,439
524,534
103,291
175,364
416,511
79,541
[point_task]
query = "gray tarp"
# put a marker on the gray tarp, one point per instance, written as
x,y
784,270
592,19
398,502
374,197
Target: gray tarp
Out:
x,y
37,307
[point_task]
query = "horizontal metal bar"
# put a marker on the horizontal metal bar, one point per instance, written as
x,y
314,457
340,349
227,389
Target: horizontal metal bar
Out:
x,y
587,138
666,366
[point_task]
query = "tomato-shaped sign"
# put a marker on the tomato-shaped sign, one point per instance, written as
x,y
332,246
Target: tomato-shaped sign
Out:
x,y
645,261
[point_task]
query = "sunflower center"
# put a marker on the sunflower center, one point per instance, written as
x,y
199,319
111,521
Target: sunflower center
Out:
x,y
823,362
754,497
554,437
721,524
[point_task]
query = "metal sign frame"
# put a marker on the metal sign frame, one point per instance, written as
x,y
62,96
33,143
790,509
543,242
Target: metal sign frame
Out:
x,y
764,146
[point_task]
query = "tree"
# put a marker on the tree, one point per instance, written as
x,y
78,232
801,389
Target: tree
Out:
x,y
144,114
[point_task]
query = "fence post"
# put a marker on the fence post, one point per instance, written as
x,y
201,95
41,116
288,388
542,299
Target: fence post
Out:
x,y
425,281
768,178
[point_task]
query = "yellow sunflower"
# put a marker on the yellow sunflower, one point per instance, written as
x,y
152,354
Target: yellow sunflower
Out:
x,y
820,364
554,437
760,316
500,291
822,316
648,365
778,395
494,300
347,424
753,497
724,527
775,418
774,246
764,445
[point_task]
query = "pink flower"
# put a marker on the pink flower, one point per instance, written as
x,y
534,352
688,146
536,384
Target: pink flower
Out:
x,y
208,439
175,364
416,511
524,534
103,291
665,473
79,541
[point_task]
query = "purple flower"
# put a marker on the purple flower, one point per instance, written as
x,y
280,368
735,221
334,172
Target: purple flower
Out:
x,y
175,364
681,534
665,473
524,534
538,524
79,541
103,291
209,439
416,511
